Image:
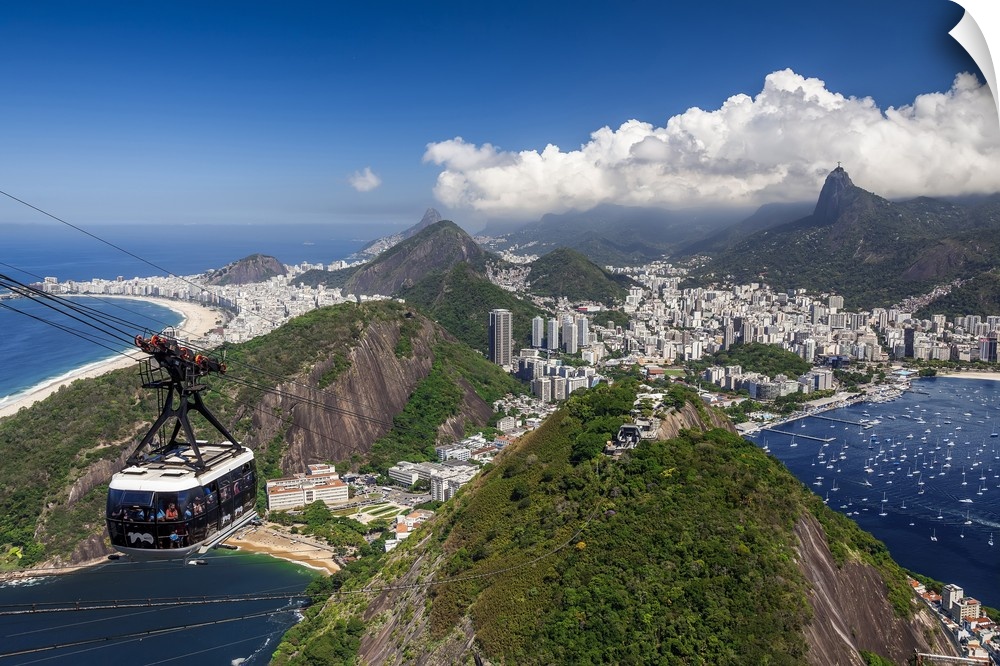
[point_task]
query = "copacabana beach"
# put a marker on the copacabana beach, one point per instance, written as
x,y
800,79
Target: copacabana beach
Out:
x,y
197,320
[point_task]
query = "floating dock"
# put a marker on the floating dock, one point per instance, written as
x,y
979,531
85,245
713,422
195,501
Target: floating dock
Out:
x,y
830,418
801,436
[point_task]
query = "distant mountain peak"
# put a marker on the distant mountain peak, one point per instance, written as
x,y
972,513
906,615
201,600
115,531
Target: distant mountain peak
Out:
x,y
380,245
437,247
832,198
430,217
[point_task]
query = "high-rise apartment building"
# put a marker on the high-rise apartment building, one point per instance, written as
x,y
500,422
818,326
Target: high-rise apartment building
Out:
x,y
537,332
569,336
582,332
552,341
501,337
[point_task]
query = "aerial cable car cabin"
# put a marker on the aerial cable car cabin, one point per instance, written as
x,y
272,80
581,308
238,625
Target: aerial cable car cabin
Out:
x,y
185,495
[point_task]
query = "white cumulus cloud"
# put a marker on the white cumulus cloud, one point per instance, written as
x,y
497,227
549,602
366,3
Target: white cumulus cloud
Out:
x,y
777,146
364,181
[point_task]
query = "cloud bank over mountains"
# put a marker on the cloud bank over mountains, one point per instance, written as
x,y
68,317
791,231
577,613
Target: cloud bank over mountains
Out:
x,y
777,146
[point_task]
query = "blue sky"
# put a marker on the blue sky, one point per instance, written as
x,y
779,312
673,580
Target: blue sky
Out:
x,y
143,112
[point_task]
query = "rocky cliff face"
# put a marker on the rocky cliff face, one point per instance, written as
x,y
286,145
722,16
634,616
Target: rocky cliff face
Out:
x,y
346,417
95,546
689,416
833,196
851,611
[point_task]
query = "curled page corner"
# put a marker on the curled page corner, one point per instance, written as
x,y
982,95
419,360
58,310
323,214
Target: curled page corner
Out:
x,y
979,34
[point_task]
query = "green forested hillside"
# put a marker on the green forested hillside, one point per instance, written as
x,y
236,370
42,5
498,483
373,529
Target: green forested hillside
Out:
x,y
683,551
980,296
677,553
461,299
568,274
766,359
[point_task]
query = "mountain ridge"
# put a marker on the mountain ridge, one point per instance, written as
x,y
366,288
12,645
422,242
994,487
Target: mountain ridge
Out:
x,y
375,247
872,251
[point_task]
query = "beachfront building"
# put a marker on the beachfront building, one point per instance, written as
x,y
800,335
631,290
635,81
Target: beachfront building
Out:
x,y
957,605
321,483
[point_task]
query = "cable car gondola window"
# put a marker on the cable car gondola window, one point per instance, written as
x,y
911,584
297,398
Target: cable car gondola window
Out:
x,y
118,498
211,508
196,525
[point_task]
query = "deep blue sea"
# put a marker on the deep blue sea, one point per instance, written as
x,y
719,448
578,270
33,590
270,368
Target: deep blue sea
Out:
x,y
934,474
33,351
49,249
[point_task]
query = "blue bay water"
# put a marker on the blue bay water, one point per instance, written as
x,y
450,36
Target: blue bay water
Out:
x,y
950,457
206,633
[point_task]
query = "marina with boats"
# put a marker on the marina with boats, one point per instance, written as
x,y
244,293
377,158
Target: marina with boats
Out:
x,y
920,471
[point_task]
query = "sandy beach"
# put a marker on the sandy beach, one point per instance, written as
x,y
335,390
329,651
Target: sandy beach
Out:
x,y
965,374
291,547
197,321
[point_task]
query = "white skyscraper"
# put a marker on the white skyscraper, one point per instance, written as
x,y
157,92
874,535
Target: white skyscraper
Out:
x,y
552,342
501,337
537,332
569,336
582,332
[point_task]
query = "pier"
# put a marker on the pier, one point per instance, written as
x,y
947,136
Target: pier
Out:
x,y
801,436
830,418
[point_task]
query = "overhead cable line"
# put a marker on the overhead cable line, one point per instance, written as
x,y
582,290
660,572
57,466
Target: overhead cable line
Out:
x,y
95,236
142,634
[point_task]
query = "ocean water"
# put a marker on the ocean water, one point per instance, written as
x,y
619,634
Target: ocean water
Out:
x,y
932,494
33,351
32,252
231,630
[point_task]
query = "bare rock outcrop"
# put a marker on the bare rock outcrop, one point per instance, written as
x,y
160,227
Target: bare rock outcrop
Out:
x,y
851,610
688,417
473,410
347,416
